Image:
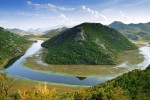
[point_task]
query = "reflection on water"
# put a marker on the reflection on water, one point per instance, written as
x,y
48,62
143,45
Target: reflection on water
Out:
x,y
80,78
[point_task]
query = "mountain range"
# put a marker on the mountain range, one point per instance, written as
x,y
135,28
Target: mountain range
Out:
x,y
53,32
132,31
28,32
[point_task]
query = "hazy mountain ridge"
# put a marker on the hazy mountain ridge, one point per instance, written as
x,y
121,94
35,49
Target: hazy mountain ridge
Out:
x,y
139,31
28,32
53,32
18,31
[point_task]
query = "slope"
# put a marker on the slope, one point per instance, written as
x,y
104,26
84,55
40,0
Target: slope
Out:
x,y
87,43
11,45
133,85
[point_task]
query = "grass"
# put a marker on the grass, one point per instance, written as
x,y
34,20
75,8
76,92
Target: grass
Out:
x,y
141,43
26,84
132,56
39,38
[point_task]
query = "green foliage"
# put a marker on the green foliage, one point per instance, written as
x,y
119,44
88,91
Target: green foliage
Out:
x,y
11,45
136,82
88,43
132,85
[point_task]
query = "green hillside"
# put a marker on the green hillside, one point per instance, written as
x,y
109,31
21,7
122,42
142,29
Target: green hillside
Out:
x,y
133,85
87,43
139,31
11,45
53,32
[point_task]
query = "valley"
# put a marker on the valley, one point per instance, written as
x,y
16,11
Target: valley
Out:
x,y
31,68
37,67
74,50
25,79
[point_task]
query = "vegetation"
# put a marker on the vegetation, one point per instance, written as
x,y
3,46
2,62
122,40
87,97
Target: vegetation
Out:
x,y
11,45
139,31
133,85
88,43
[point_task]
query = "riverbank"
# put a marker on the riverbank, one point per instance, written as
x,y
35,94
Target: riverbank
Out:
x,y
35,62
76,75
8,62
26,84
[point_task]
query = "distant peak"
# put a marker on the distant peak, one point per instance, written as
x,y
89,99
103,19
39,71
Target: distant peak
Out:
x,y
117,22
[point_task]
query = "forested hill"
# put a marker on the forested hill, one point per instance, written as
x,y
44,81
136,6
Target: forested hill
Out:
x,y
87,43
134,85
11,45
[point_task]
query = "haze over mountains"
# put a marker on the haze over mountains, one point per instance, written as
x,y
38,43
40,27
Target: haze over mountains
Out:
x,y
28,32
132,31
53,32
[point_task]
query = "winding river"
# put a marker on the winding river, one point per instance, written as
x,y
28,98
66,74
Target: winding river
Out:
x,y
18,70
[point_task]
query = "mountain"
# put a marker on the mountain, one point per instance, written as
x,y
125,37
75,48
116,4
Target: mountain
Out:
x,y
28,32
133,31
18,31
35,31
87,43
53,32
11,45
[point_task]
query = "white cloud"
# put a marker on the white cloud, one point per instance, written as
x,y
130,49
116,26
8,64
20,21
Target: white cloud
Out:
x,y
63,16
49,6
95,13
124,16
28,14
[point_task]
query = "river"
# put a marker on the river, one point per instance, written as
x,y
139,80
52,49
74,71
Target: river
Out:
x,y
19,70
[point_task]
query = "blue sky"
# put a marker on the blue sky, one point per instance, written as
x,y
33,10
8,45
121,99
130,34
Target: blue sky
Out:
x,y
26,14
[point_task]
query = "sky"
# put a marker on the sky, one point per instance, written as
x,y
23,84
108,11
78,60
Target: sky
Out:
x,y
27,14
